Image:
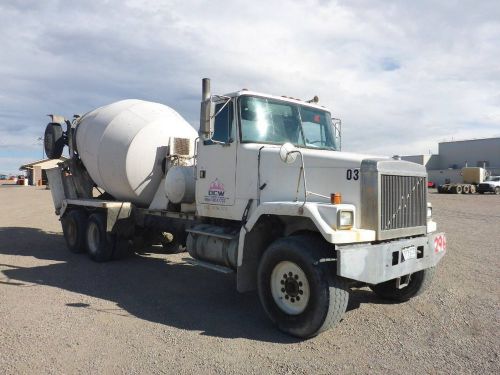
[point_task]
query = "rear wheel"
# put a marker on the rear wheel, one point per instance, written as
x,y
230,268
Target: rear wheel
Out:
x,y
301,296
74,224
100,244
418,283
497,190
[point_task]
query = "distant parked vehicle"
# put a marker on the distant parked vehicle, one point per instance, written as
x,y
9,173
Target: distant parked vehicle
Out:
x,y
3,176
490,185
431,184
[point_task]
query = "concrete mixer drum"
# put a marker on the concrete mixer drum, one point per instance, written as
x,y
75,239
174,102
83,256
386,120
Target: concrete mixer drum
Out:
x,y
123,147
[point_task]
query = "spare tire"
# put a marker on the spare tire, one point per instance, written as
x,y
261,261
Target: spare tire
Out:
x,y
53,140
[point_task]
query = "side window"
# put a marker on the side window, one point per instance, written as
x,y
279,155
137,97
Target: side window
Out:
x,y
223,125
313,133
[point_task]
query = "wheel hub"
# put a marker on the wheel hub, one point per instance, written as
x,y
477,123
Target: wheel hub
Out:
x,y
290,288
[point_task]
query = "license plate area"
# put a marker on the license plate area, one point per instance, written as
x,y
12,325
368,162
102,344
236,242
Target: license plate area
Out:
x,y
408,252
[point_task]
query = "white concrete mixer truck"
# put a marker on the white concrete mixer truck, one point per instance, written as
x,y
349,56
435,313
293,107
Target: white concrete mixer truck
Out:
x,y
262,190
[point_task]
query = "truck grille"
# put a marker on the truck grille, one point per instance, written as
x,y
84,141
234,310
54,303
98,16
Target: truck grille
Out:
x,y
403,202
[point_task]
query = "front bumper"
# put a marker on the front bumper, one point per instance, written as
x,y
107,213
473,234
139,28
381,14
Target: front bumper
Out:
x,y
376,263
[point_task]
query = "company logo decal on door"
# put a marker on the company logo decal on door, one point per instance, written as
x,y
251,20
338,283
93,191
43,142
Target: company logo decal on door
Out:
x,y
216,193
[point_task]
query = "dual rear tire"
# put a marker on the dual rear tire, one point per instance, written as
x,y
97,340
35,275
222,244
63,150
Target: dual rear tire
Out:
x,y
85,233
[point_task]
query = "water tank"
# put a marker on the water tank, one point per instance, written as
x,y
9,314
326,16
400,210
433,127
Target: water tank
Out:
x,y
180,184
123,146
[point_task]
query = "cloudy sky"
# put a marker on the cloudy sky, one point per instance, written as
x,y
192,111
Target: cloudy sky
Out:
x,y
402,75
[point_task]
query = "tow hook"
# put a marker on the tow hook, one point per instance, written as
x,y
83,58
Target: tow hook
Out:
x,y
402,281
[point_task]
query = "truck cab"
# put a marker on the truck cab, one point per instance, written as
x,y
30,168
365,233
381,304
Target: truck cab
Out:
x,y
248,128
490,185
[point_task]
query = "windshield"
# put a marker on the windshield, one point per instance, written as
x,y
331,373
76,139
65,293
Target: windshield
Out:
x,y
493,178
266,120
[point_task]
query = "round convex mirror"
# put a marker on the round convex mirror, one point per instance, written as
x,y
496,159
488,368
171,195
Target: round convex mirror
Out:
x,y
288,153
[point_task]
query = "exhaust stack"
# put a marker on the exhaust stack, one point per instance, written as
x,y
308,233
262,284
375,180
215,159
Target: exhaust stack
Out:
x,y
206,112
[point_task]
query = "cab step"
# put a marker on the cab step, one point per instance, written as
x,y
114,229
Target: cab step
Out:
x,y
210,266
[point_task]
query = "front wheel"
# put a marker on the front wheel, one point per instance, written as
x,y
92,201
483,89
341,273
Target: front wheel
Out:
x,y
418,283
302,296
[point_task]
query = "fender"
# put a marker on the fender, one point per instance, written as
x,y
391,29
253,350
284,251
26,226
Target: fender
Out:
x,y
323,216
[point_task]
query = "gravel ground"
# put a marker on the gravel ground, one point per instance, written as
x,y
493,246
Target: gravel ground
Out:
x,y
153,313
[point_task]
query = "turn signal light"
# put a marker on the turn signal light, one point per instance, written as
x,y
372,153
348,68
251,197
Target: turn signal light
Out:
x,y
335,198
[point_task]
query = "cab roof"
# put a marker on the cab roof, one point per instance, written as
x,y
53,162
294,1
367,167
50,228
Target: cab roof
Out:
x,y
288,99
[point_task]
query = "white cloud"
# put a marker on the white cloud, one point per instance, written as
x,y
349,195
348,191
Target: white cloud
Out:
x,y
402,75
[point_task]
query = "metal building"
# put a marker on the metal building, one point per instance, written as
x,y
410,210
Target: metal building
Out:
x,y
446,166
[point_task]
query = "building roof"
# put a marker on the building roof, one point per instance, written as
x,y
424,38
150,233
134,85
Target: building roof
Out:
x,y
471,140
44,163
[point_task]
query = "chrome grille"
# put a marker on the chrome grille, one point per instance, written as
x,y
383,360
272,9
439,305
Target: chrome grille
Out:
x,y
403,202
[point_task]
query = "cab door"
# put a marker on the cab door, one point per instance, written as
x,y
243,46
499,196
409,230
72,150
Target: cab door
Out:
x,y
216,165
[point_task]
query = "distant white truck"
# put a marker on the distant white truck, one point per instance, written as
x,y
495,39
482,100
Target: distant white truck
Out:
x,y
490,185
474,179
262,191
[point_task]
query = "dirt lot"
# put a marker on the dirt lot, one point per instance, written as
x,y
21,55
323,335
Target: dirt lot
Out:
x,y
152,313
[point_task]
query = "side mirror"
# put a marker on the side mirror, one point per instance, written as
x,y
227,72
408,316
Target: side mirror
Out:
x,y
207,118
337,132
288,153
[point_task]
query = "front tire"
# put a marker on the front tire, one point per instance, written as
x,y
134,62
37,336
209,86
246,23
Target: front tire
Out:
x,y
419,282
100,244
300,295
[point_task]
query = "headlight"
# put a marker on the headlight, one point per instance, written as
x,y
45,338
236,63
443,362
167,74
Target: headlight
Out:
x,y
429,211
345,219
